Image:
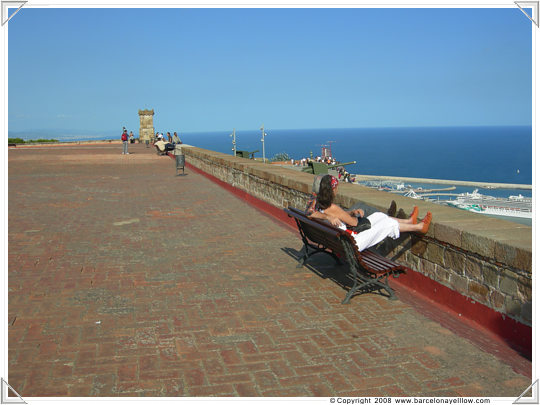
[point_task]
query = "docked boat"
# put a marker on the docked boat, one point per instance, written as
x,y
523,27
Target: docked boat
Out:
x,y
412,194
513,206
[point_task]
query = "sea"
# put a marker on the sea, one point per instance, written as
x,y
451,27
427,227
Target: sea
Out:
x,y
493,154
490,154
478,154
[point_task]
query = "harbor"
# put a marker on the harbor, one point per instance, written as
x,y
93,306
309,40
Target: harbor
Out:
x,y
516,208
505,200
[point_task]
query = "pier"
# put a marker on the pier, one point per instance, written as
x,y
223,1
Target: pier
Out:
x,y
428,190
430,194
474,184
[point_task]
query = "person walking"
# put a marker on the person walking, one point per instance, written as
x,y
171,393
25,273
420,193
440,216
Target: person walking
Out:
x,y
125,142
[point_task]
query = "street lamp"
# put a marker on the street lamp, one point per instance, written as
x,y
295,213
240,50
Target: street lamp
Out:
x,y
233,141
262,140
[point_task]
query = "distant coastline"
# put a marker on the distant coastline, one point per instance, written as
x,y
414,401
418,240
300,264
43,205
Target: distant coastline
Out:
x,y
84,135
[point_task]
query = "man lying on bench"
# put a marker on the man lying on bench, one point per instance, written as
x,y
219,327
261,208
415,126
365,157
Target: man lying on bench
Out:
x,y
367,231
163,147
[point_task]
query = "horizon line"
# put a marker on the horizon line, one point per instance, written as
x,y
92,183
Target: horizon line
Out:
x,y
97,132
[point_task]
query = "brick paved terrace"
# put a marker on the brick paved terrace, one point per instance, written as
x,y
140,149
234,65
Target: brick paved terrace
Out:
x,y
125,280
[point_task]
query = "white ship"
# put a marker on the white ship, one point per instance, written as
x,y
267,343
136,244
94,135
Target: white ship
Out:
x,y
513,206
412,194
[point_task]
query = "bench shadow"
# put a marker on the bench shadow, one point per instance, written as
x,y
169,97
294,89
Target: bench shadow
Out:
x,y
396,249
324,266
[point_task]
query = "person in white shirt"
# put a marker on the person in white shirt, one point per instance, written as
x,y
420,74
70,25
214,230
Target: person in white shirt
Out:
x,y
162,146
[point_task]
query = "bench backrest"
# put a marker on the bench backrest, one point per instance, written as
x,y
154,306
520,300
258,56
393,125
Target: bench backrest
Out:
x,y
320,232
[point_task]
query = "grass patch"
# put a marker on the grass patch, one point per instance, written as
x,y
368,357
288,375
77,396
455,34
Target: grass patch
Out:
x,y
20,140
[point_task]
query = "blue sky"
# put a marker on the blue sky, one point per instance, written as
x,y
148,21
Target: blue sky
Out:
x,y
218,69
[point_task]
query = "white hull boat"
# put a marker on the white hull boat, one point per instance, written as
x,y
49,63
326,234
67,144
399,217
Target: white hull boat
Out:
x,y
514,206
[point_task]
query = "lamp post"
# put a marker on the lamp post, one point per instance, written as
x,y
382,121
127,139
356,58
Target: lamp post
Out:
x,y
262,140
233,141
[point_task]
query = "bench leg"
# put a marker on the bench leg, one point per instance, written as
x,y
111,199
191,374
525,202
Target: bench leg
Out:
x,y
347,298
392,296
375,282
354,287
362,279
366,281
308,254
302,261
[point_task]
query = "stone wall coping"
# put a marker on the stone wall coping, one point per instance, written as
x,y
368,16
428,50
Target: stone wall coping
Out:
x,y
501,241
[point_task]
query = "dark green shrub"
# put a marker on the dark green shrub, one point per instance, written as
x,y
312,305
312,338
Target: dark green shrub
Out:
x,y
15,140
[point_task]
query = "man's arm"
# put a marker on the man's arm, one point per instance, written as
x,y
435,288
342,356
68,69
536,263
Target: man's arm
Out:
x,y
333,220
357,212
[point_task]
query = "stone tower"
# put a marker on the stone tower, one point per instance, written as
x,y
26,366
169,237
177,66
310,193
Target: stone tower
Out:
x,y
146,130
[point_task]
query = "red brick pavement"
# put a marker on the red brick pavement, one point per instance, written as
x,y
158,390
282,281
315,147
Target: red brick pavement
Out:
x,y
125,280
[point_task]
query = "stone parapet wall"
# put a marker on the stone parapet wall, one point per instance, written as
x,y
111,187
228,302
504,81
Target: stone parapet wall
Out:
x,y
486,259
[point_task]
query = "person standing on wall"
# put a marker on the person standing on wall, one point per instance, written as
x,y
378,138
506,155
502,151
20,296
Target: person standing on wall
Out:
x,y
125,142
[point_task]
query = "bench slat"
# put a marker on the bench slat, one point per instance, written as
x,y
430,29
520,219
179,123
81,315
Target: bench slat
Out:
x,y
376,261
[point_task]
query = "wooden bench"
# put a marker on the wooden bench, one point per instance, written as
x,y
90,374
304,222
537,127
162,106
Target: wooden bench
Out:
x,y
369,270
